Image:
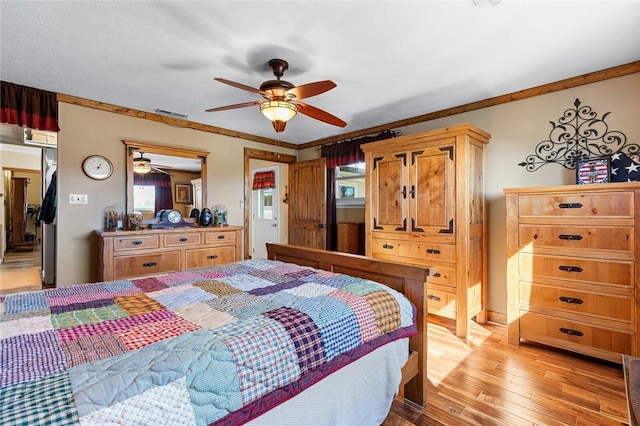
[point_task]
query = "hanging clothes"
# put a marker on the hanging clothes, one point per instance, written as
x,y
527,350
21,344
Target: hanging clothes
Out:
x,y
48,211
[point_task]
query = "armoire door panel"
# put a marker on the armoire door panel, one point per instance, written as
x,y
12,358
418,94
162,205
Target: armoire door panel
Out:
x,y
390,185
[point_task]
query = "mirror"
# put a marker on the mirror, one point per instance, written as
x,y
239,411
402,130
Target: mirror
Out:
x,y
185,169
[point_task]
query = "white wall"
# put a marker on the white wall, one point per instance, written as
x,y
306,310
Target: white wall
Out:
x,y
516,128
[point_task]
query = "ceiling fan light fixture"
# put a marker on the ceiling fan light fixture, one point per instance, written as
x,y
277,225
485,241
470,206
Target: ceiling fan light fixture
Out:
x,y
141,165
278,110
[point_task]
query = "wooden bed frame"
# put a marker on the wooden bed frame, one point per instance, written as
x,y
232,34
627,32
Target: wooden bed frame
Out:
x,y
410,280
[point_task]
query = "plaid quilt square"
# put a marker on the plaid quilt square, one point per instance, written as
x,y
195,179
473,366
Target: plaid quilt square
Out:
x,y
147,285
138,304
91,348
146,334
30,357
87,316
304,335
363,311
216,288
46,402
24,302
387,310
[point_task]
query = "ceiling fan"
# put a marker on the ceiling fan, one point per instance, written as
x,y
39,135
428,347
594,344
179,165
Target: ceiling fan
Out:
x,y
282,99
142,165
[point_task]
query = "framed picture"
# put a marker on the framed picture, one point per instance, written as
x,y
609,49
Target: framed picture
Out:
x,y
593,170
183,193
347,191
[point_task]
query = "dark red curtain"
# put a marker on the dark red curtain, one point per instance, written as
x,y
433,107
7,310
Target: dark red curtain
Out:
x,y
28,107
342,154
263,180
162,183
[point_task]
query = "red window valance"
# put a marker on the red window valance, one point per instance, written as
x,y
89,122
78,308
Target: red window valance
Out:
x,y
263,180
28,107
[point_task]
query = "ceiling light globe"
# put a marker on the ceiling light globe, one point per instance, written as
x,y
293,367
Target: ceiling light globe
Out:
x,y
278,110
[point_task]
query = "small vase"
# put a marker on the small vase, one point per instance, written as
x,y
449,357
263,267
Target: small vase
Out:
x,y
206,217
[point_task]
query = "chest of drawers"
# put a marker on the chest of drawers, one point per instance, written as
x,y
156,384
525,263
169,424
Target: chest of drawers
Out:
x,y
129,254
572,274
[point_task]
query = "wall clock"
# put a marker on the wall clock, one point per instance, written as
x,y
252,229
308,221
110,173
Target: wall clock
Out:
x,y
97,167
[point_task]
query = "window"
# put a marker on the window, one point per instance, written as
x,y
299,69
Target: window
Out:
x,y
265,200
350,188
144,198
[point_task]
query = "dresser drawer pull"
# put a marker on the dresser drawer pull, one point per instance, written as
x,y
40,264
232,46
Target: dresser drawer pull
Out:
x,y
571,332
136,242
149,264
221,237
387,246
184,240
432,297
433,251
570,237
212,256
570,268
571,300
437,275
570,205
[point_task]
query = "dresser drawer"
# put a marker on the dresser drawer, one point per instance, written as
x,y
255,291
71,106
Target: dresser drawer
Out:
x,y
596,305
594,271
606,204
441,303
616,238
181,239
414,250
445,274
201,258
146,264
564,333
138,242
220,237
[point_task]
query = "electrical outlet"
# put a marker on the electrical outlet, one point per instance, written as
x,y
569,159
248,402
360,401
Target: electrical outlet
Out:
x,y
78,199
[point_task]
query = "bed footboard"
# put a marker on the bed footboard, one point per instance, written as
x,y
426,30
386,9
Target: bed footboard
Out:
x,y
409,280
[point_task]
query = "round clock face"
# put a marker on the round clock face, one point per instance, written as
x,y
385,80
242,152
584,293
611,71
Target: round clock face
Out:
x,y
173,216
97,167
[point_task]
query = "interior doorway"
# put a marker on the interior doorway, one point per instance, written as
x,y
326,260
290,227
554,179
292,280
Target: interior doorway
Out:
x,y
252,159
266,218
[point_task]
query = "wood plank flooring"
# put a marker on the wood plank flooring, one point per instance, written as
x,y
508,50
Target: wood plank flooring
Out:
x,y
20,271
486,381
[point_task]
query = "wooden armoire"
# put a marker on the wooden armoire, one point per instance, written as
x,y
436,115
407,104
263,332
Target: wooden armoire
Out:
x,y
425,205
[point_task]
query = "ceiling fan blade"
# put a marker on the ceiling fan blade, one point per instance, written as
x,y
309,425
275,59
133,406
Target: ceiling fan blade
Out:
x,y
311,89
242,86
234,106
279,125
319,114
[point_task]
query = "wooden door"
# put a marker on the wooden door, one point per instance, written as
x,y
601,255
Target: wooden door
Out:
x,y
389,181
432,190
18,209
307,207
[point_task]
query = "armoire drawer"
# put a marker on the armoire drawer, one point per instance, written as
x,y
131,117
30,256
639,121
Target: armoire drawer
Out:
x,y
136,242
595,305
220,237
564,333
201,258
146,264
589,204
616,238
585,270
445,274
422,251
181,239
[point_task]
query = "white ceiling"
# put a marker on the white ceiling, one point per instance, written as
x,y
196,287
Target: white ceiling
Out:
x,y
391,60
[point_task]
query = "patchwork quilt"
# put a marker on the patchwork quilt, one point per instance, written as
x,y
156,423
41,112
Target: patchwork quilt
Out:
x,y
219,345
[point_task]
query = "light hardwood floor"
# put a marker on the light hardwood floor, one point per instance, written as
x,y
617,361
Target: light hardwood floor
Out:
x,y
486,381
20,271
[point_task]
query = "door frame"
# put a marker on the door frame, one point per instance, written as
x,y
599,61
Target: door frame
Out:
x,y
256,154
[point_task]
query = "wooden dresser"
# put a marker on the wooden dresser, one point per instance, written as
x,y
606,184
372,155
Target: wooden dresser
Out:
x,y
426,206
572,277
351,237
129,254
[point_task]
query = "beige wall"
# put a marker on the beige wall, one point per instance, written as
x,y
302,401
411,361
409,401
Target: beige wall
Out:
x,y
516,128
85,131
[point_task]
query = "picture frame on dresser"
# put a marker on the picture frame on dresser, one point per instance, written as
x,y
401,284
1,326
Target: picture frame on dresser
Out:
x,y
593,170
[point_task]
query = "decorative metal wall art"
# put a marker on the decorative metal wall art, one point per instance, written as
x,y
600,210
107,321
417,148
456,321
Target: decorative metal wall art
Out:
x,y
578,136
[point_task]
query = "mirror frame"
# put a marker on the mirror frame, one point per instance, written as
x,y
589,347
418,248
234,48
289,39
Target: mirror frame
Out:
x,y
132,147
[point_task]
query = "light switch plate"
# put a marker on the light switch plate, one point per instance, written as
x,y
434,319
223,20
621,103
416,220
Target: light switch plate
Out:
x,y
78,199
